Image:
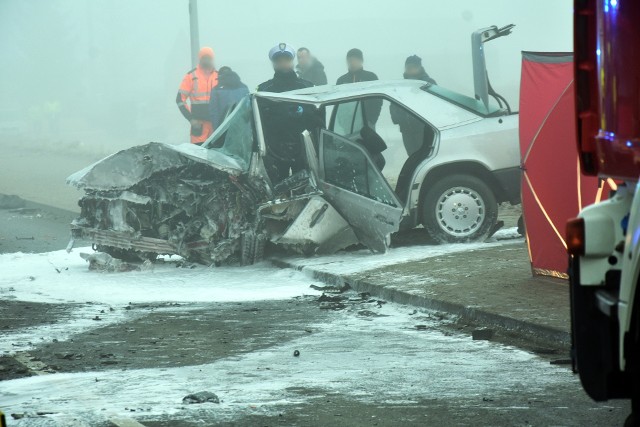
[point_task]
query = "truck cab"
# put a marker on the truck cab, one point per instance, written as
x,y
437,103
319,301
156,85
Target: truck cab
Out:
x,y
604,240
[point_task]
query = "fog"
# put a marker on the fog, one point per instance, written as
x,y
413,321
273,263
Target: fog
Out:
x,y
107,70
93,76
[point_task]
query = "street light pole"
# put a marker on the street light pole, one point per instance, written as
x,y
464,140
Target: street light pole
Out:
x,y
195,33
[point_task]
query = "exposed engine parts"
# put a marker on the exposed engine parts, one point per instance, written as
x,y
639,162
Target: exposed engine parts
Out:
x,y
199,213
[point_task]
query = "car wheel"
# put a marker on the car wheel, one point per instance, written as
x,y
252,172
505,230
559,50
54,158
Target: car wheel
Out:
x,y
252,249
459,208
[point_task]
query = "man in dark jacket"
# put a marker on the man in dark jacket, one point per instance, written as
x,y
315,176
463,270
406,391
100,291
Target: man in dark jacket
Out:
x,y
413,70
284,122
226,95
309,68
412,129
356,73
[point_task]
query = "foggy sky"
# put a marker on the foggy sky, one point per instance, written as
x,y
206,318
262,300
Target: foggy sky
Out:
x,y
109,70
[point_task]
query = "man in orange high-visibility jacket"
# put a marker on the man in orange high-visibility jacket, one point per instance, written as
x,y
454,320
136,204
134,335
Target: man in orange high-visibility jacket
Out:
x,y
196,88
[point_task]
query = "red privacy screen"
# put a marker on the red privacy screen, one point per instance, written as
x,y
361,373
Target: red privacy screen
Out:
x,y
553,187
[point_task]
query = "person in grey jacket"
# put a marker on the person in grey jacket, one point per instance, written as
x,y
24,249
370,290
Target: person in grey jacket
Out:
x,y
309,68
229,91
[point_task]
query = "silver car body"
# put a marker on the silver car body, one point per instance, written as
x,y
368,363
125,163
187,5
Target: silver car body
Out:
x,y
462,136
320,215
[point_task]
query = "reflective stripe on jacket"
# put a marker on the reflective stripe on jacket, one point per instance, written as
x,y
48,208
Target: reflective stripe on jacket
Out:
x,y
196,88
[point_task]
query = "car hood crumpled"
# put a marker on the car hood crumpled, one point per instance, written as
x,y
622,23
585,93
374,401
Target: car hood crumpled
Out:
x,y
128,167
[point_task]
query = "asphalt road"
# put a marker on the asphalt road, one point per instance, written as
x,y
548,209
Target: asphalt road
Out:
x,y
38,172
361,362
33,227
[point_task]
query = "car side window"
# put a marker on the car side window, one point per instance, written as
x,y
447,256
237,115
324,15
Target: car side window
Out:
x,y
348,118
348,167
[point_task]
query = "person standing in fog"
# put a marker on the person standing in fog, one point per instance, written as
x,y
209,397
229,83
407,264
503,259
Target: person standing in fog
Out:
x,y
412,129
413,70
309,68
229,91
283,122
356,72
193,96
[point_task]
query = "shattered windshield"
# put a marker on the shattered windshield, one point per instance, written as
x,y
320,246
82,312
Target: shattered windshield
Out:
x,y
235,137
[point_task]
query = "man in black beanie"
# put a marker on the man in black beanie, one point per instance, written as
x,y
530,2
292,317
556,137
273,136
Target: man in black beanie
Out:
x,y
412,129
356,73
413,70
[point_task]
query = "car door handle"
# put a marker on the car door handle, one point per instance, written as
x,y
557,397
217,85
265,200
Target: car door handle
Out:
x,y
317,217
384,220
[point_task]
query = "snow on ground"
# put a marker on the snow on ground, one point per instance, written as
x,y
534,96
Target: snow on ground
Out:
x,y
363,260
379,360
79,319
371,359
61,277
507,234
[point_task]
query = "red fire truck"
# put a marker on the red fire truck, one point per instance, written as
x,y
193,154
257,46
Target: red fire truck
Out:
x,y
604,241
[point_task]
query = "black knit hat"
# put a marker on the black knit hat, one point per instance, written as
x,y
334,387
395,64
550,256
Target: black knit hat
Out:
x,y
355,53
414,60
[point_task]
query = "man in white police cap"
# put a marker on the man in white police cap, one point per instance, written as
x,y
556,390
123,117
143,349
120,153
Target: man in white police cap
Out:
x,y
284,122
285,77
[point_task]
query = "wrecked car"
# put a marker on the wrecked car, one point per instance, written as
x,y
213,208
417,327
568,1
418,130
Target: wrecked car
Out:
x,y
388,155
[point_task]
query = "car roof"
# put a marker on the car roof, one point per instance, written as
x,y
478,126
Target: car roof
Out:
x,y
329,93
413,94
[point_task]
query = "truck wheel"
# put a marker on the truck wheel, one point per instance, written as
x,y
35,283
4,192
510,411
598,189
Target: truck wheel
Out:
x,y
631,421
633,365
459,208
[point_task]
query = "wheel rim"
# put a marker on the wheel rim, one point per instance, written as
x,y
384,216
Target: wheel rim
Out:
x,y
460,211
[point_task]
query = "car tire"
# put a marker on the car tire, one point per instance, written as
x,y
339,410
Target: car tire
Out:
x,y
459,208
252,248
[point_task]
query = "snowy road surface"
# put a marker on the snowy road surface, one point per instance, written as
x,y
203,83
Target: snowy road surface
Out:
x,y
84,348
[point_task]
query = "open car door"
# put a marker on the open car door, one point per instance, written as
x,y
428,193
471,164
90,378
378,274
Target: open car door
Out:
x,y
353,184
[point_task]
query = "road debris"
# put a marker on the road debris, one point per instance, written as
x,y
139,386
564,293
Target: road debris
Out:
x,y
482,334
332,289
101,261
201,397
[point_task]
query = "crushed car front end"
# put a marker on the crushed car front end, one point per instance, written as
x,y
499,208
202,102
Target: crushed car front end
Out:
x,y
197,202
